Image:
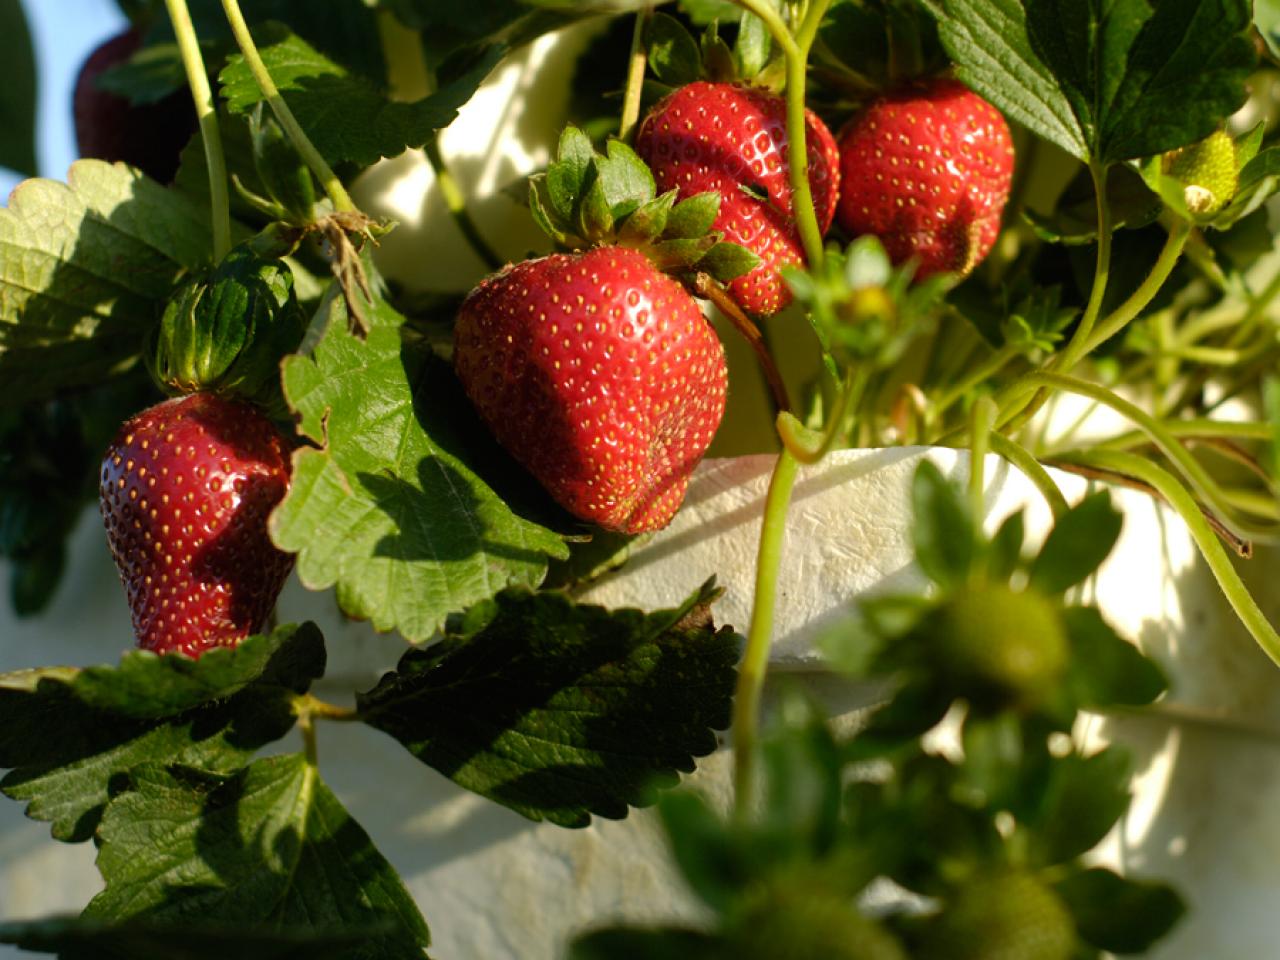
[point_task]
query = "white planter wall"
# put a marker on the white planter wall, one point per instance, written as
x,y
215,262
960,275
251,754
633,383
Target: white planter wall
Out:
x,y
496,887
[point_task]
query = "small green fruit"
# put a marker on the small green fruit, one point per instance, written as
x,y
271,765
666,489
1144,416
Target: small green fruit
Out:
x,y
1207,172
1001,647
1008,915
814,927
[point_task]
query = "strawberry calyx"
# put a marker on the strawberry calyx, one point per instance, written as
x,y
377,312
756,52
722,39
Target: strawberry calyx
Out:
x,y
1200,182
677,58
587,199
226,332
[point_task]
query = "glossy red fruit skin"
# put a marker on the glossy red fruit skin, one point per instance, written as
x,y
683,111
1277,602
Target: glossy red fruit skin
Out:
x,y
927,169
722,137
186,487
147,136
600,375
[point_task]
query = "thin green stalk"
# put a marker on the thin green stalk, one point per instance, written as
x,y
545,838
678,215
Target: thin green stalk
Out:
x,y
1226,430
1211,548
456,201
1124,314
810,446
333,187
635,76
1033,470
981,421
1186,464
755,660
980,374
207,113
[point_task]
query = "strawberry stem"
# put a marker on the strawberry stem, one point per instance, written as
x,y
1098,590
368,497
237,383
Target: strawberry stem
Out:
x,y
1033,470
1211,549
707,287
635,76
207,114
456,201
342,201
755,660
982,419
810,446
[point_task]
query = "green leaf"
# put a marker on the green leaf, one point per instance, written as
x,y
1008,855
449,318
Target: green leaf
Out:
x,y
636,944
694,216
943,531
1106,670
560,710
74,938
753,46
674,56
17,91
1120,914
1106,80
1084,798
83,268
1266,17
1004,553
269,848
369,126
73,736
389,505
1080,540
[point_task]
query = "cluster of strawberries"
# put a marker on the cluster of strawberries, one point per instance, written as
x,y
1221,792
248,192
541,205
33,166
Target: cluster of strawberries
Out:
x,y
548,349
595,369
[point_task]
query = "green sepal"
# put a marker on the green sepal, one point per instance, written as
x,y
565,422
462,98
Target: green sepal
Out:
x,y
680,255
595,220
649,221
728,261
694,216
753,46
718,62
674,55
227,333
540,205
281,170
566,177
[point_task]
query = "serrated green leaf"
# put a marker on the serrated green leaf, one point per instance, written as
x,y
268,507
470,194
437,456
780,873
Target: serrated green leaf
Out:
x,y
626,180
566,179
943,532
390,506
1106,670
649,220
1119,913
83,268
1078,543
727,261
75,938
1084,798
17,91
674,56
561,711
73,736
1106,81
694,216
269,848
369,126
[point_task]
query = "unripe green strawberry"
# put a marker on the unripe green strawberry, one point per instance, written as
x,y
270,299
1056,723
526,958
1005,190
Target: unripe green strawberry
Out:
x,y
812,926
186,488
1207,172
1001,647
927,169
1007,915
600,375
148,136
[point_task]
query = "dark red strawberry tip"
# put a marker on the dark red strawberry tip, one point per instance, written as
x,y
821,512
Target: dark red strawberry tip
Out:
x,y
148,136
600,375
732,139
927,169
186,489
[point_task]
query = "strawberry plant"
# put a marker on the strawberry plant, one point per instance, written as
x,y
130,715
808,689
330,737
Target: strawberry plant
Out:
x,y
1041,234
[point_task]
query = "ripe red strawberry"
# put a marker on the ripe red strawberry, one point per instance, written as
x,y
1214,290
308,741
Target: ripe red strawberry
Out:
x,y
186,489
108,127
600,375
724,137
927,169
